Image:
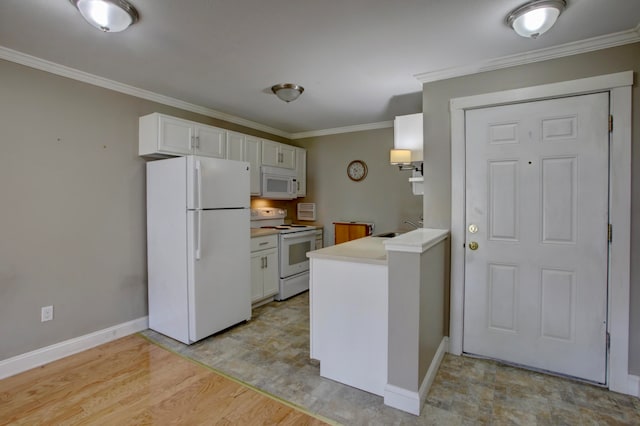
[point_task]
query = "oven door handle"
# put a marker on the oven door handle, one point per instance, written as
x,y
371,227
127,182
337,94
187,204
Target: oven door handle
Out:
x,y
298,235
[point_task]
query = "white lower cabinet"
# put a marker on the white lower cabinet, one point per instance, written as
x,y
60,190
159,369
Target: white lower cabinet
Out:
x,y
264,267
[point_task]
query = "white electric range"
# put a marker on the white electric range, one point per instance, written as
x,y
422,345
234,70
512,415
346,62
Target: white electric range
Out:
x,y
294,241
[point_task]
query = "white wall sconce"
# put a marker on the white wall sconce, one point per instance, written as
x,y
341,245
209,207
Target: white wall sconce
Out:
x,y
402,159
535,17
110,16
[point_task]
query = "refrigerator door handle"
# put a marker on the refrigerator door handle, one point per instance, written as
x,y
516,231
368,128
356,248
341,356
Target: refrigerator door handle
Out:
x,y
198,201
198,233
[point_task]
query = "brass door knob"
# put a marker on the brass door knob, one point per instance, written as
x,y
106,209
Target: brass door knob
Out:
x,y
473,245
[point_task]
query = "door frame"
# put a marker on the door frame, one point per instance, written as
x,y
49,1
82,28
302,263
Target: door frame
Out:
x,y
619,85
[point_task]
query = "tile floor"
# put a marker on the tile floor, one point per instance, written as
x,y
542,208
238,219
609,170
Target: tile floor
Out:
x,y
271,352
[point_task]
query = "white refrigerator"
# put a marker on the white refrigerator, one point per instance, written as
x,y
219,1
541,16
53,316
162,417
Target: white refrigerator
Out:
x,y
198,252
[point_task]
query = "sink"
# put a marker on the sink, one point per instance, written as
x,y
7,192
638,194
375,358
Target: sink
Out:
x,y
389,234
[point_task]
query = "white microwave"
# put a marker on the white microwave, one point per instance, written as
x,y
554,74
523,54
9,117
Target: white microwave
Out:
x,y
279,183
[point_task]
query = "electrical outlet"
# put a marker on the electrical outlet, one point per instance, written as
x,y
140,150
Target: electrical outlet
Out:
x,y
46,313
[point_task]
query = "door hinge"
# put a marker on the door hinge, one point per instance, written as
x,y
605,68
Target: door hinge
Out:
x,y
611,123
609,232
608,341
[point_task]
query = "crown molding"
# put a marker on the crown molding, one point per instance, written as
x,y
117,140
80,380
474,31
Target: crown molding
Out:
x,y
568,49
583,46
346,129
61,70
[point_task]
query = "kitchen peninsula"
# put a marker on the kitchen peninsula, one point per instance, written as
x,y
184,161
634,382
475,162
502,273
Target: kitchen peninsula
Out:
x,y
376,314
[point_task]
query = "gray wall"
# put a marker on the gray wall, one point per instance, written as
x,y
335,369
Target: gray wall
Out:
x,y
72,215
384,197
437,150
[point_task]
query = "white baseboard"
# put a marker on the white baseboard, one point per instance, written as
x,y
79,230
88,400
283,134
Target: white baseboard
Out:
x,y
633,386
428,379
411,401
402,399
29,360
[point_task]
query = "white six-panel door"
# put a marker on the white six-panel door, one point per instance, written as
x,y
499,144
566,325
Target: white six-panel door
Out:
x,y
537,208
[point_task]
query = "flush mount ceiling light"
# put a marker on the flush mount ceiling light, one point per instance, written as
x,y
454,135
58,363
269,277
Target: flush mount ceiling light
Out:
x,y
287,91
535,17
110,16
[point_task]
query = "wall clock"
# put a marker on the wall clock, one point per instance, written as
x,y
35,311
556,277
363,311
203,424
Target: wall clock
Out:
x,y
357,170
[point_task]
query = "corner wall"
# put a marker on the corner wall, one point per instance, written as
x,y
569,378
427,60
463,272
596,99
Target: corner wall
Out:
x,y
72,216
437,150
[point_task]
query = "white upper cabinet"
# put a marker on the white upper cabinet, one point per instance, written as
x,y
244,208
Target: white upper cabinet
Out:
x,y
235,146
210,141
278,155
301,171
252,154
407,134
164,135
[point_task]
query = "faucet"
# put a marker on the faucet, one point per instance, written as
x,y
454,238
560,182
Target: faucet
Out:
x,y
416,225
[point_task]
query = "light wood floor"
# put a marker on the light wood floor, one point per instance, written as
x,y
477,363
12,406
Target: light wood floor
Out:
x,y
133,381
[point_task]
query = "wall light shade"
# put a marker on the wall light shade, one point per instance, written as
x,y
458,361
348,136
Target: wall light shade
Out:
x,y
107,15
287,91
400,157
535,17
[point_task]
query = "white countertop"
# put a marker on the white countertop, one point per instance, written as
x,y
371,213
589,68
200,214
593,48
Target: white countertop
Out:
x,y
363,250
416,241
374,249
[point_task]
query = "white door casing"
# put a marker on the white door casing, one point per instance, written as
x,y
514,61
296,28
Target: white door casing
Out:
x,y
619,86
537,196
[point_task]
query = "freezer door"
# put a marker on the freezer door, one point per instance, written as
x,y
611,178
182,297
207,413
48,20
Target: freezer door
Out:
x,y
213,183
219,279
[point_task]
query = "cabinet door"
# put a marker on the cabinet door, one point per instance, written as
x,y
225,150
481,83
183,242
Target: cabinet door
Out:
x,y
287,156
270,273
358,231
252,154
301,171
341,233
235,146
257,264
350,231
175,136
211,141
270,153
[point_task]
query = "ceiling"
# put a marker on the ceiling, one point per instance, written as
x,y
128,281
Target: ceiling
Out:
x,y
358,60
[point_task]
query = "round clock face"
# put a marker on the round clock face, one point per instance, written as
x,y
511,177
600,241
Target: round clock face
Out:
x,y
357,170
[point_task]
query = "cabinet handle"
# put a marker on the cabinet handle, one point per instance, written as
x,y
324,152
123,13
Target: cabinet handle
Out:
x,y
263,243
198,142
266,262
193,142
